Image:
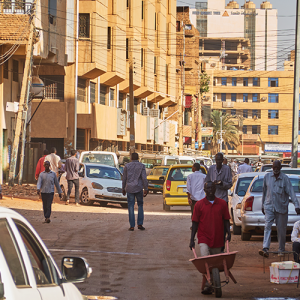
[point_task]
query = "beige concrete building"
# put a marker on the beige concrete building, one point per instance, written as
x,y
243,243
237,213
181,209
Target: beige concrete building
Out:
x,y
108,32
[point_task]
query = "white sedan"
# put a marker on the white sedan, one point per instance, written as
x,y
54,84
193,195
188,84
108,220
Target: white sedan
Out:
x,y
97,183
27,269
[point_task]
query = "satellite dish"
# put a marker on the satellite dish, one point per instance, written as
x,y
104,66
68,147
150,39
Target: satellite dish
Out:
x,y
37,85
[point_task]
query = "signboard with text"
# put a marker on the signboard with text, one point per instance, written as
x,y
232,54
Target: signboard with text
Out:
x,y
279,147
207,131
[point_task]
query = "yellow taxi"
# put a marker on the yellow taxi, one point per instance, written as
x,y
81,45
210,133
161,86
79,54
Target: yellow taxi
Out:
x,y
174,190
156,178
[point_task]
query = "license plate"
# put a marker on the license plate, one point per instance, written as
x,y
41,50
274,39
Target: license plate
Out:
x,y
184,190
157,186
116,195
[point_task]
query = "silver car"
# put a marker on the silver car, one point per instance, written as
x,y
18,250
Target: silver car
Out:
x,y
265,167
253,220
295,171
236,194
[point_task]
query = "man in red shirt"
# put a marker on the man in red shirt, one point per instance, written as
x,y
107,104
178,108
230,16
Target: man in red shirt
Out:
x,y
210,218
40,165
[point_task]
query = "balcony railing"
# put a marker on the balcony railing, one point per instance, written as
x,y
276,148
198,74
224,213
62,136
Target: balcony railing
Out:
x,y
15,7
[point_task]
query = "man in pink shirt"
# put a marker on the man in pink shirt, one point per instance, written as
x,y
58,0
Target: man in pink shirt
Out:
x,y
40,165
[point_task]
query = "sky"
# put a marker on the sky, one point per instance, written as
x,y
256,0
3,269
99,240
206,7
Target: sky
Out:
x,y
286,19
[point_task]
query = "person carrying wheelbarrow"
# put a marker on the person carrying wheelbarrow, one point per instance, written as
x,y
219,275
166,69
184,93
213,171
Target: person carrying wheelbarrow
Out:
x,y
210,217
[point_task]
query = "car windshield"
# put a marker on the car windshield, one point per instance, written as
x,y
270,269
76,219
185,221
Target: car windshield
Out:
x,y
186,161
150,162
291,171
170,162
295,184
99,158
243,184
265,168
103,172
257,186
180,174
159,171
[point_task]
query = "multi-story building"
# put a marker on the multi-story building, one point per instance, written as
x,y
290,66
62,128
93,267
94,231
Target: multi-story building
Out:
x,y
215,20
109,31
263,99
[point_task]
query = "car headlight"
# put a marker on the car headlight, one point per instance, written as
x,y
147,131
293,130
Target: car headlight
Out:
x,y
97,186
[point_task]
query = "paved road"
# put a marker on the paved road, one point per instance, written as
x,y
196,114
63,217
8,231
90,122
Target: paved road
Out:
x,y
150,264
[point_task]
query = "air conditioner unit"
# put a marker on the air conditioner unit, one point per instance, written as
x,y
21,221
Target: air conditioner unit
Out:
x,y
154,113
213,65
146,111
112,103
263,99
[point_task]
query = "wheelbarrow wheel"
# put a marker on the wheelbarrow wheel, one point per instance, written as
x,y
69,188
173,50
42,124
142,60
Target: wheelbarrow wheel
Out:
x,y
216,282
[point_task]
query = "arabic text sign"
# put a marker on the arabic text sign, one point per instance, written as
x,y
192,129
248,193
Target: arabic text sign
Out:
x,y
279,148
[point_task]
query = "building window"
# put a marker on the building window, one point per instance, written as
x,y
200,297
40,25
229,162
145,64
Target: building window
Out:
x,y
108,37
80,139
255,129
121,98
273,130
177,26
233,112
52,9
103,91
142,10
54,86
136,101
15,70
92,92
127,48
233,81
5,70
245,81
111,97
273,114
233,97
84,25
223,112
254,97
245,113
81,89
273,98
255,81
142,57
255,114
244,129
187,113
245,97
223,97
224,81
154,64
273,82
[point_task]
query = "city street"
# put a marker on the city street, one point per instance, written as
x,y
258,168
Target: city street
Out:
x,y
150,264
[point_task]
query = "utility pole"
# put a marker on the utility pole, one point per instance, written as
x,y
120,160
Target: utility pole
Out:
x,y
131,98
296,91
22,105
182,102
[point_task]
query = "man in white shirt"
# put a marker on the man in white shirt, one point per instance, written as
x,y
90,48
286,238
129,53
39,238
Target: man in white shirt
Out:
x,y
295,238
195,186
244,168
55,162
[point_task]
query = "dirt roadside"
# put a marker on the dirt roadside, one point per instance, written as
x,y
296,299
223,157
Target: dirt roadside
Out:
x,y
153,264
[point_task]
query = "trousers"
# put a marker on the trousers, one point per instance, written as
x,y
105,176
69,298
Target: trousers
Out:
x,y
131,201
70,186
281,223
296,250
192,207
47,199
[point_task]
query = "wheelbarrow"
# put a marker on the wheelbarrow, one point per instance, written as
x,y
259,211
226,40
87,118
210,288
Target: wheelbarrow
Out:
x,y
211,266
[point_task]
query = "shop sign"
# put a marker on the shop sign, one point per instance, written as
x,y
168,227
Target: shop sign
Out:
x,y
207,131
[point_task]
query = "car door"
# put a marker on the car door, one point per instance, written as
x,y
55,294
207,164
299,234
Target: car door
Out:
x,y
45,272
16,278
82,178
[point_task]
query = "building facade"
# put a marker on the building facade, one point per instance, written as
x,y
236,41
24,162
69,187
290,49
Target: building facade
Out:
x,y
214,19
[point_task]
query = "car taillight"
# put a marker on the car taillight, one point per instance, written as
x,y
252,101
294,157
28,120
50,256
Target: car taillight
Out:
x,y
248,204
168,185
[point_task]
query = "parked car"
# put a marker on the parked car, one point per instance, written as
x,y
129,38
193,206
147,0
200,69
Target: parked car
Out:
x,y
236,194
28,271
186,160
169,160
264,168
288,171
207,161
99,157
253,220
97,183
150,161
156,178
174,189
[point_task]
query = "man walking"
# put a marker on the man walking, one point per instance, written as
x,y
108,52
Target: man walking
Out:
x,y
244,168
210,220
40,165
277,189
134,180
233,167
54,160
195,186
221,176
72,168
45,186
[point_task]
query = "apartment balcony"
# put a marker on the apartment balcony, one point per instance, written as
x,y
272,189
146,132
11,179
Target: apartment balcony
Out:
x,y
16,7
228,104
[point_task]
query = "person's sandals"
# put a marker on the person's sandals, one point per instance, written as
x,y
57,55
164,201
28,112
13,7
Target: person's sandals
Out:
x,y
131,229
264,252
67,202
208,290
47,220
141,227
77,204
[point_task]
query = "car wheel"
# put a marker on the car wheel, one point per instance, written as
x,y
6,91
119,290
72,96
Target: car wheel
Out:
x,y
84,197
166,207
124,205
245,236
236,229
103,203
64,195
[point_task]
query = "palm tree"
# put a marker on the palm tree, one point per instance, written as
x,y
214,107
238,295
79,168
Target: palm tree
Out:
x,y
230,132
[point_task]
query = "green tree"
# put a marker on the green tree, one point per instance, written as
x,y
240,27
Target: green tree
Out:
x,y
230,131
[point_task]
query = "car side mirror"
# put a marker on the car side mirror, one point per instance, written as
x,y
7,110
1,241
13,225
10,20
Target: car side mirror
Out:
x,y
75,269
162,178
80,174
241,193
